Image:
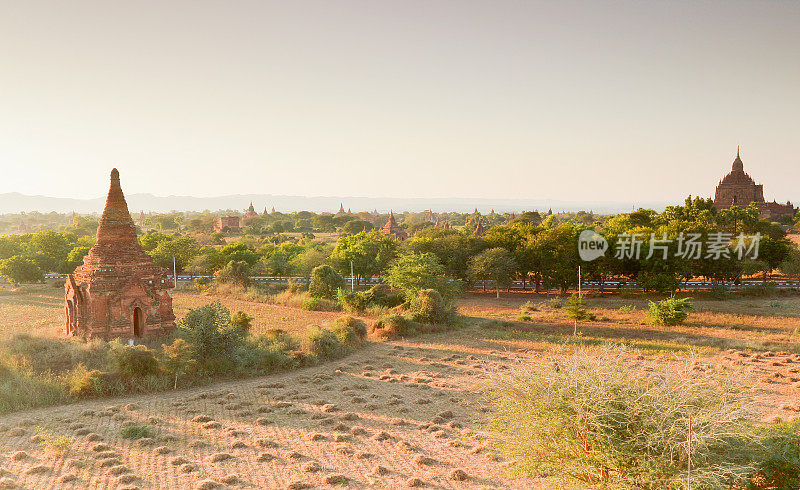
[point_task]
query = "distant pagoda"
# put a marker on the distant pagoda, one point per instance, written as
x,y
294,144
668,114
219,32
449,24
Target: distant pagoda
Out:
x,y
118,292
392,229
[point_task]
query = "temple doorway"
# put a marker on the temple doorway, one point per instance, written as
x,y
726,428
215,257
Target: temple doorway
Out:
x,y
138,322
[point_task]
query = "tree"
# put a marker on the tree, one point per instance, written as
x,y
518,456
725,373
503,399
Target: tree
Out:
x,y
183,249
555,253
494,263
412,272
325,282
355,226
178,359
76,255
451,247
236,272
18,269
368,251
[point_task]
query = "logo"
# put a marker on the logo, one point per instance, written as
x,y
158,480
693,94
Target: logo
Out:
x,y
591,245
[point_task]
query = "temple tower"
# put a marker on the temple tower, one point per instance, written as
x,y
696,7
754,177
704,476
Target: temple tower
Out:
x,y
118,292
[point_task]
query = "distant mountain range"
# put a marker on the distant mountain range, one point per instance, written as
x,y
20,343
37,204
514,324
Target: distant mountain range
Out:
x,y
14,202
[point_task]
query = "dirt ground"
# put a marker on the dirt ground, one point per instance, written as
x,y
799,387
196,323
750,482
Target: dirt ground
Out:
x,y
393,415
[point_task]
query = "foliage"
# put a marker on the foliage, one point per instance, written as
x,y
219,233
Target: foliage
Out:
x,y
235,272
323,343
671,311
325,282
393,326
212,337
428,306
351,332
598,420
136,431
135,361
494,263
84,382
52,442
414,272
577,311
19,269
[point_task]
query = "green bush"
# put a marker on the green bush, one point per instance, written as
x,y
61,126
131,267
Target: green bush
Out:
x,y
281,339
599,421
319,304
658,281
322,343
670,311
350,331
354,301
429,307
136,431
136,361
382,295
325,282
261,355
577,311
776,457
212,337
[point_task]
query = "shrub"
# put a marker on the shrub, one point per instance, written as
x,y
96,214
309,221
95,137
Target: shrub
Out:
x,y
598,420
761,290
429,307
241,322
777,457
719,291
261,355
354,301
212,338
319,304
350,331
528,307
325,282
55,356
670,311
576,311
236,272
53,442
382,295
282,339
322,343
393,326
136,361
555,303
20,391
136,431
84,382
658,281
177,359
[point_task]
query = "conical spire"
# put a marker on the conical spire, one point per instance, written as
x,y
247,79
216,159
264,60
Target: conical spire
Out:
x,y
738,166
116,241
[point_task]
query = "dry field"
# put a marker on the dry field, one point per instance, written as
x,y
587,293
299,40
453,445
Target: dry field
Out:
x,y
395,414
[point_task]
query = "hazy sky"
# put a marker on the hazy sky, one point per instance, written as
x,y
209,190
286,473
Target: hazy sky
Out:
x,y
611,101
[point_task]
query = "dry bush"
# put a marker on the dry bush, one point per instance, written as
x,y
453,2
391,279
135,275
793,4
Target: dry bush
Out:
x,y
350,331
599,419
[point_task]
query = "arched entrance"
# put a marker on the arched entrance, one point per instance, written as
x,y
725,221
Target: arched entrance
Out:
x,y
138,322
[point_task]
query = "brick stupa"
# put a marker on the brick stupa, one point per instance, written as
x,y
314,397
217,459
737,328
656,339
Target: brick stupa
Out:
x,y
118,292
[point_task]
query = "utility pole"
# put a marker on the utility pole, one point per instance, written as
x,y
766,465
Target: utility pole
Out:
x,y
174,271
352,278
579,283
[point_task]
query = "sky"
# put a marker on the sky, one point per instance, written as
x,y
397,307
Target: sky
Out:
x,y
576,101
